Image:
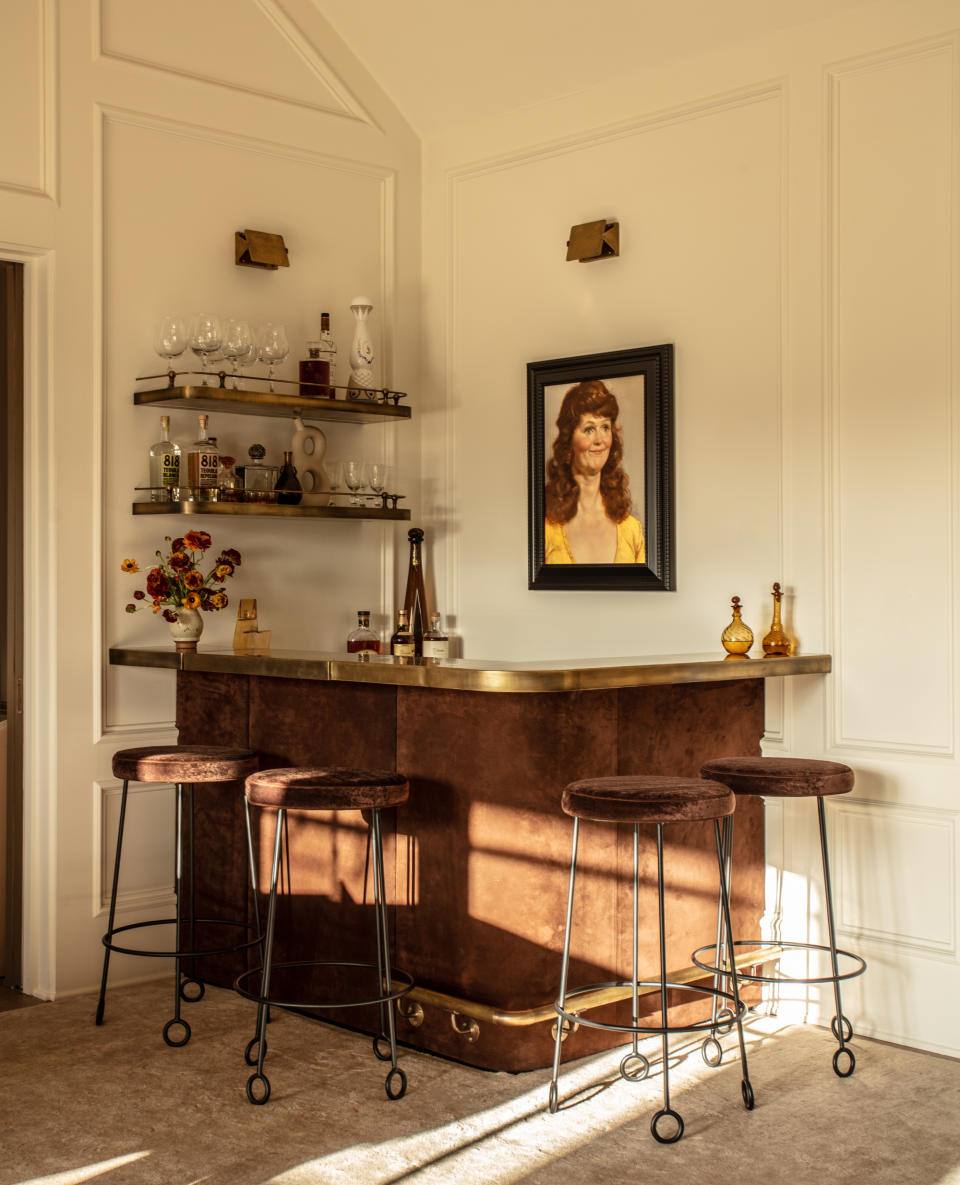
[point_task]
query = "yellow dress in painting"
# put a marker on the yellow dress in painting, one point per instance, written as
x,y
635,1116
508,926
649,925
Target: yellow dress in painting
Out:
x,y
631,548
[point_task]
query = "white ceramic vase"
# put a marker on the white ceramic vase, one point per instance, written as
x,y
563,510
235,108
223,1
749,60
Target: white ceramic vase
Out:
x,y
361,382
186,629
308,447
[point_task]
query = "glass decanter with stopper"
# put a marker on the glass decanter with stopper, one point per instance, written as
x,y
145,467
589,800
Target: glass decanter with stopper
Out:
x,y
436,644
363,640
776,641
737,638
165,466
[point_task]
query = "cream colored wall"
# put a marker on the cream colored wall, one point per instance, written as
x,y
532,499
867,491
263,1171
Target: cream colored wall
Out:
x,y
788,215
136,140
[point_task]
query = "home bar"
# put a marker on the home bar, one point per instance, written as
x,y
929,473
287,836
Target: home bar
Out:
x,y
477,865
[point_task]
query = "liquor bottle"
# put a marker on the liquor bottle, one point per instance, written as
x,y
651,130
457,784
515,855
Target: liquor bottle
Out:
x,y
415,598
203,464
363,640
402,643
314,373
436,644
289,490
165,466
328,354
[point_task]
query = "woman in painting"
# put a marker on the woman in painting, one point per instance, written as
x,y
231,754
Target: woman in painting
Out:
x,y
587,494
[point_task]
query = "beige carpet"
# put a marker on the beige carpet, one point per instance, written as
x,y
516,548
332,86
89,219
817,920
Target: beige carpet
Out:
x,y
116,1106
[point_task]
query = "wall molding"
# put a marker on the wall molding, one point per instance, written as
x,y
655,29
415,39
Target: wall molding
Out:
x,y
349,107
48,183
946,821
154,897
457,176
838,736
386,176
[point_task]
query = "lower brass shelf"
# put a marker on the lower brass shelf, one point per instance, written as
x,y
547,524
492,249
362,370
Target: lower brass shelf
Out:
x,y
270,510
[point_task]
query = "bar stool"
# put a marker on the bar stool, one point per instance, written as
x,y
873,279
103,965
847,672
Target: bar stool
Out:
x,y
326,789
790,777
187,766
636,800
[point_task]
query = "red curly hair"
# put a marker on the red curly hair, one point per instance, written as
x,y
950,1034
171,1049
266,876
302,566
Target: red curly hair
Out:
x,y
561,493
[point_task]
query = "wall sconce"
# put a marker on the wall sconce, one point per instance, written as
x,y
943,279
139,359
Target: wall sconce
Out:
x,y
256,248
594,240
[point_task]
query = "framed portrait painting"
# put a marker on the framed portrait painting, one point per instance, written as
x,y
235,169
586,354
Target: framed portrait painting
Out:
x,y
600,450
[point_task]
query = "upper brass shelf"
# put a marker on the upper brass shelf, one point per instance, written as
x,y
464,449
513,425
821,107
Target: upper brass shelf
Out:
x,y
273,403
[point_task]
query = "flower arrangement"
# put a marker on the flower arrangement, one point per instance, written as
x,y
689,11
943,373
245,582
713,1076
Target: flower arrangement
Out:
x,y
177,582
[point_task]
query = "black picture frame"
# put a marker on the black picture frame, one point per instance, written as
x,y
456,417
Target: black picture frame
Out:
x,y
642,381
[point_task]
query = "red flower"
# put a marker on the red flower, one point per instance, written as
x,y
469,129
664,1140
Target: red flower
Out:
x,y
229,556
180,562
169,615
157,583
197,540
193,580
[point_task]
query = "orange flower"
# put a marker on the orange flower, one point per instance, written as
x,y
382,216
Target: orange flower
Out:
x,y
191,601
197,540
130,566
193,580
219,600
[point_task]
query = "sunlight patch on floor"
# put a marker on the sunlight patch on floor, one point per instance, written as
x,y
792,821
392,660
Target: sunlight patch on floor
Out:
x,y
86,1172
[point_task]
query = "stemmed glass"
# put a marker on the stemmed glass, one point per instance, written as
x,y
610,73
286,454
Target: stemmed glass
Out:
x,y
274,347
355,478
335,474
205,339
248,357
237,340
171,337
377,473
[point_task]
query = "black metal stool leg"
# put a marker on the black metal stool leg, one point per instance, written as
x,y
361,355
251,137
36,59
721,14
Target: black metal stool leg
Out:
x,y
722,1019
746,1089
396,1080
666,1111
178,894
108,937
844,1062
562,997
260,1037
252,864
635,1067
187,980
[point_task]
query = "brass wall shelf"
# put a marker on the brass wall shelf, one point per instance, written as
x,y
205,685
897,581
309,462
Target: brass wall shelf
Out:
x,y
271,403
271,510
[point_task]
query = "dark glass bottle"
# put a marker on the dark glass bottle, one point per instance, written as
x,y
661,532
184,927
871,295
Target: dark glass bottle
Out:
x,y
415,598
289,490
402,643
314,373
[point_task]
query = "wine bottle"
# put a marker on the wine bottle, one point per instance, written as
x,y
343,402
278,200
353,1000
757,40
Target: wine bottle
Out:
x,y
415,598
363,640
436,644
203,465
165,466
289,491
402,643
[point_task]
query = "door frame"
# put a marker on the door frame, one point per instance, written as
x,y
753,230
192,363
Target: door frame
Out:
x,y
11,503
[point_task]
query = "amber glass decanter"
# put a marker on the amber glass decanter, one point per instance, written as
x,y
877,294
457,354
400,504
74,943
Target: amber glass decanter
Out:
x,y
776,641
737,638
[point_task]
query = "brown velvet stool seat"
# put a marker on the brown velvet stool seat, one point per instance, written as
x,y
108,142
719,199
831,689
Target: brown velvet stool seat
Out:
x,y
186,766
790,777
326,789
658,801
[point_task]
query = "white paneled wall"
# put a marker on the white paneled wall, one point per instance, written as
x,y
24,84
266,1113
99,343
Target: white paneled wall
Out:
x,y
789,220
135,141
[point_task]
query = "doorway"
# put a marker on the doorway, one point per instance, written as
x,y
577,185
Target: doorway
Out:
x,y
11,621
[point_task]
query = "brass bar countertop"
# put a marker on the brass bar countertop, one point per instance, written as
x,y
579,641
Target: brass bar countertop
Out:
x,y
584,674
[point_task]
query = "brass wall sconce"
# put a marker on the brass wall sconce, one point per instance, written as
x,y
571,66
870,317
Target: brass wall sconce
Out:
x,y
594,240
256,248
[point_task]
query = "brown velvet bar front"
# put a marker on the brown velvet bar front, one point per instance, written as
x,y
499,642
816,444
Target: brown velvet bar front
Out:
x,y
477,859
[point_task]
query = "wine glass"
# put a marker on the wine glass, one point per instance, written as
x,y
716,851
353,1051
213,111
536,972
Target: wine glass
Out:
x,y
355,478
205,338
171,337
237,340
248,357
335,475
274,347
377,474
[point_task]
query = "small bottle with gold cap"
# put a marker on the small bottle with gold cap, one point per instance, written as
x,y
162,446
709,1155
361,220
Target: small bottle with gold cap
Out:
x,y
737,638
